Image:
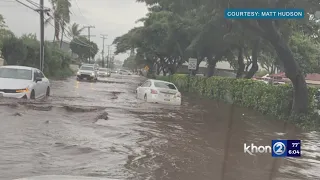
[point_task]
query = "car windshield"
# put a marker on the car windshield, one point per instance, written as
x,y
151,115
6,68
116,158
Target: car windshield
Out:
x,y
87,68
164,85
13,73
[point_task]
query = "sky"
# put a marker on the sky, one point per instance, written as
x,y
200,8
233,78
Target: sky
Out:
x,y
110,17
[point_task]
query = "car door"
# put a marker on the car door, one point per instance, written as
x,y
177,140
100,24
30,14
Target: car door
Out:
x,y
37,85
145,88
140,89
44,83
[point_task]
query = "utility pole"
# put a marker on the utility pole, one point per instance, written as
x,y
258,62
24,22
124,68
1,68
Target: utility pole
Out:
x,y
89,27
103,38
42,11
108,60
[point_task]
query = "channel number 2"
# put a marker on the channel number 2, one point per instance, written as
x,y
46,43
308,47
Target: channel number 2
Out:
x,y
279,148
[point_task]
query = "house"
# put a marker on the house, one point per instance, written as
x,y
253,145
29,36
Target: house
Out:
x,y
223,68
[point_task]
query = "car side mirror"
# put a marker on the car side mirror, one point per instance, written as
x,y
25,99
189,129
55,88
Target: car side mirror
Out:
x,y
38,79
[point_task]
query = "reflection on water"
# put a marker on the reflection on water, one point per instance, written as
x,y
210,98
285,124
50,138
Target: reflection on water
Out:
x,y
143,141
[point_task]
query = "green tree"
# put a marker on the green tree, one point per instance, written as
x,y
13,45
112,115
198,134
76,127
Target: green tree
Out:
x,y
60,17
14,51
74,30
2,22
25,51
83,48
176,30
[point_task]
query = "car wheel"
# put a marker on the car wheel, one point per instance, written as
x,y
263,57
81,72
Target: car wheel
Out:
x,y
33,95
48,91
145,98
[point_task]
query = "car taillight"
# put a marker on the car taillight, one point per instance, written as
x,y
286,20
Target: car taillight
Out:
x,y
178,94
154,91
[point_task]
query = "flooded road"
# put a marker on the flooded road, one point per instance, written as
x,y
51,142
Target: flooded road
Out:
x,y
101,130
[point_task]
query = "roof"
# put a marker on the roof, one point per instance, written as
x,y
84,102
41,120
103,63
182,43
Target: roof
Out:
x,y
313,77
19,67
154,80
220,65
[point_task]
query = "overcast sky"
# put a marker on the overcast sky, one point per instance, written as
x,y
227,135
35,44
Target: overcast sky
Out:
x,y
111,17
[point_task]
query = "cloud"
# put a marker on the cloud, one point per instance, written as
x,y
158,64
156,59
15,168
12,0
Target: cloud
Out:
x,y
110,17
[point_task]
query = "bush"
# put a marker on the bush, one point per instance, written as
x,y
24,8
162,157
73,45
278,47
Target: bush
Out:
x,y
265,98
25,51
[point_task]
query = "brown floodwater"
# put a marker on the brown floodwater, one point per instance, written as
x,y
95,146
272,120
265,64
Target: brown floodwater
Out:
x,y
101,130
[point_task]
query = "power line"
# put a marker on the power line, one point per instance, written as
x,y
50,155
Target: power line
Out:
x,y
26,5
41,11
33,3
76,1
81,42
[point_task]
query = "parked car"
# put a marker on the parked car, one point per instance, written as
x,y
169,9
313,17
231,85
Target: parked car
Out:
x,y
124,72
157,91
23,82
104,72
114,71
87,72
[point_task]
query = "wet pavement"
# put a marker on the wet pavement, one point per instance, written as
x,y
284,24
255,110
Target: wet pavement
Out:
x,y
101,130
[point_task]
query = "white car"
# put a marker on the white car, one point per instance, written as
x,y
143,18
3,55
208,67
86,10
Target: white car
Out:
x,y
124,72
23,82
87,72
104,72
159,92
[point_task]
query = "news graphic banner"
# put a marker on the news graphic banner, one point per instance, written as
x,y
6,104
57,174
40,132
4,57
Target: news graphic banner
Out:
x,y
278,148
264,13
286,148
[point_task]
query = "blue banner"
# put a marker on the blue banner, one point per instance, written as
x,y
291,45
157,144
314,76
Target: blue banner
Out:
x,y
264,13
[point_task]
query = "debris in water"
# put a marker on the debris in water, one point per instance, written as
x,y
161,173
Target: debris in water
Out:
x,y
12,105
17,114
102,116
39,107
80,109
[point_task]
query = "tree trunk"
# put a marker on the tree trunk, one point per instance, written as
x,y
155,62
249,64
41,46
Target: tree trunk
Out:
x,y
240,63
164,71
292,69
254,68
212,63
158,68
61,40
54,38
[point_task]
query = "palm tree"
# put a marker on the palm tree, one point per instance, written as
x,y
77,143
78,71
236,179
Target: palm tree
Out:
x,y
55,18
64,10
74,30
61,17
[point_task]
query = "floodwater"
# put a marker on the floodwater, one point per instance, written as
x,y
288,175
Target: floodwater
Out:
x,y
101,130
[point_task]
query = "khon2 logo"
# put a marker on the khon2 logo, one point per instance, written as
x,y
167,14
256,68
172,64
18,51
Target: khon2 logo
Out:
x,y
278,148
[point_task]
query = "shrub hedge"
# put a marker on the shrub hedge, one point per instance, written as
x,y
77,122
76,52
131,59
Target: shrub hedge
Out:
x,y
267,99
